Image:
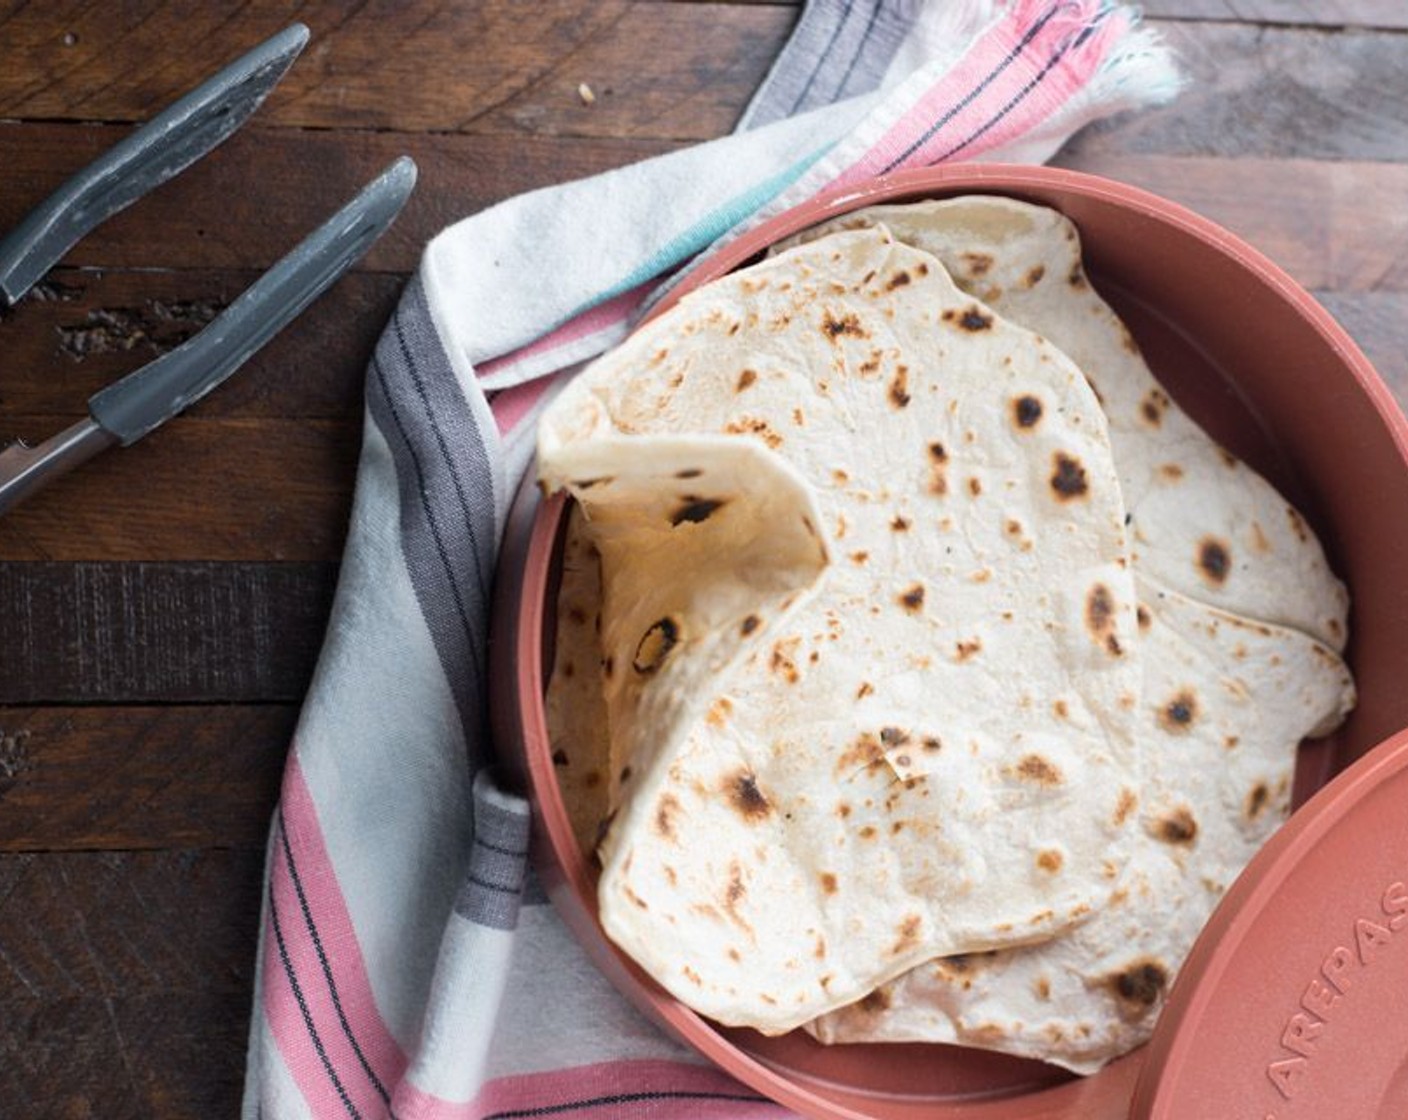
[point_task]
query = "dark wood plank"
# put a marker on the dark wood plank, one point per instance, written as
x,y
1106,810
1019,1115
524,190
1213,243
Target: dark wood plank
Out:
x,y
125,982
656,70
250,202
1323,13
1378,322
195,490
175,633
81,330
1337,226
1308,93
106,778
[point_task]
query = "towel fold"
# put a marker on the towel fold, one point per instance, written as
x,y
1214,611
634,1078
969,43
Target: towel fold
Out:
x,y
408,965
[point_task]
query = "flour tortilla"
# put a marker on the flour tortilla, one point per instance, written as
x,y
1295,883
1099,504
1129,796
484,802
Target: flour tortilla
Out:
x,y
862,772
575,704
1224,701
1202,522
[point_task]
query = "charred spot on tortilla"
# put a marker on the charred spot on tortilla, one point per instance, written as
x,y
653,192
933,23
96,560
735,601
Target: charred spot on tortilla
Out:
x,y
865,689
751,425
588,483
1100,613
912,599
749,624
937,453
1214,560
876,1002
1128,802
559,757
735,889
665,816
1141,984
848,324
783,661
965,649
1076,277
746,378
977,264
900,523
693,510
898,280
1178,827
1257,801
689,472
1033,276
608,666
975,486
1153,406
893,736
1143,617
654,647
1179,712
899,387
828,882
1068,479
908,931
971,319
1026,411
1050,860
1035,768
744,795
1171,472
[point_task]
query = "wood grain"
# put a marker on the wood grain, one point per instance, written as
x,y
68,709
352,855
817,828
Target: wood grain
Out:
x,y
195,490
174,633
125,982
656,70
81,330
105,778
1304,93
1297,13
1336,226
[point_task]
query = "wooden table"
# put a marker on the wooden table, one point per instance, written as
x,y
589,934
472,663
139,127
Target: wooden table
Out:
x,y
161,609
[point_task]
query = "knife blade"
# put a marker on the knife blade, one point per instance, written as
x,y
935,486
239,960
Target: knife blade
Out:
x,y
128,409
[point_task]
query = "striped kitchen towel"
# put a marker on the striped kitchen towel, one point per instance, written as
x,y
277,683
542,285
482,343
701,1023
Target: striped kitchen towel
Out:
x,y
406,968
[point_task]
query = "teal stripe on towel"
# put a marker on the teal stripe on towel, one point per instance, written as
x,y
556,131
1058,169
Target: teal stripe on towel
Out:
x,y
705,231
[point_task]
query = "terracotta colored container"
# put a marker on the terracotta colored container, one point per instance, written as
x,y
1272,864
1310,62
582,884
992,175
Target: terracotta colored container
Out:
x,y
1255,360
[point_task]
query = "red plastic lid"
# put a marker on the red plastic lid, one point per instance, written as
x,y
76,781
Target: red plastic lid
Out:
x,y
1294,1002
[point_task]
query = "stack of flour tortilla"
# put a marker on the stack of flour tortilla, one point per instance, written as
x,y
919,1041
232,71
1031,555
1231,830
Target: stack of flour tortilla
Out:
x,y
923,672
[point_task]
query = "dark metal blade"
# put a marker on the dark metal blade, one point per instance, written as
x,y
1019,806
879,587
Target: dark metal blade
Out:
x,y
163,147
132,407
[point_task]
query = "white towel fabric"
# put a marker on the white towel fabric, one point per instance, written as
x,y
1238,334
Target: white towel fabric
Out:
x,y
406,970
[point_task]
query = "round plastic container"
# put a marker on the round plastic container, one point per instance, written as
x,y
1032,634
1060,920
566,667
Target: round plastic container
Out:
x,y
1263,368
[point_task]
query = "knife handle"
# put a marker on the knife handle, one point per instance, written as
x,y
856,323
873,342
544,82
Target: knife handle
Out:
x,y
133,406
162,148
